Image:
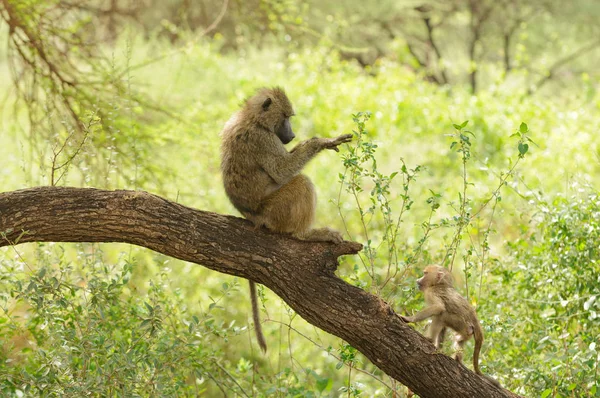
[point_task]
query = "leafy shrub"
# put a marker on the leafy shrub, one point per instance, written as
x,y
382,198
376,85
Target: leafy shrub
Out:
x,y
552,290
73,331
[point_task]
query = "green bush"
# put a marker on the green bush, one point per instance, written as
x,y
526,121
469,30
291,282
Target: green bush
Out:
x,y
77,330
551,289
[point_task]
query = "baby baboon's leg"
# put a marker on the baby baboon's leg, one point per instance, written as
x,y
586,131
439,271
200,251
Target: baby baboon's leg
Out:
x,y
442,336
291,209
435,330
458,346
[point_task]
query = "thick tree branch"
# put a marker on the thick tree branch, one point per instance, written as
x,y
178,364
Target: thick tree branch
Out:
x,y
301,273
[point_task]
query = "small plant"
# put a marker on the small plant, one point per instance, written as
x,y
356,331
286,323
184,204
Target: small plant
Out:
x,y
361,170
387,258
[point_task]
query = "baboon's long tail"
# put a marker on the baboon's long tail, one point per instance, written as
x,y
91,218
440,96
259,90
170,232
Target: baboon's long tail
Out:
x,y
478,335
256,316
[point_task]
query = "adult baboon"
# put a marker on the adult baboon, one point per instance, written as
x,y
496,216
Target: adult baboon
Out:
x,y
262,179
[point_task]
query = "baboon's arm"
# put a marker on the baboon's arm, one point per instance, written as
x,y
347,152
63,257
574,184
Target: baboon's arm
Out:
x,y
434,307
428,312
282,166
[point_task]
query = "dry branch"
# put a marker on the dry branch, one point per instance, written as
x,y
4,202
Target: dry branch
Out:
x,y
301,273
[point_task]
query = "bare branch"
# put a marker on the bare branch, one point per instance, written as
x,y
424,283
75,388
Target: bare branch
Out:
x,y
562,62
218,19
434,46
478,19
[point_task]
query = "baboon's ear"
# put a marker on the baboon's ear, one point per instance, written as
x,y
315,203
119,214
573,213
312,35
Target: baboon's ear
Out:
x,y
267,103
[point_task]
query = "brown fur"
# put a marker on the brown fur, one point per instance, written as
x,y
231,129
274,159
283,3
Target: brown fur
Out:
x,y
256,318
448,308
262,179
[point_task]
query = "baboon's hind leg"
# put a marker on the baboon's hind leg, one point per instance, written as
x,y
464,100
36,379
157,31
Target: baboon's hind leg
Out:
x,y
459,347
291,209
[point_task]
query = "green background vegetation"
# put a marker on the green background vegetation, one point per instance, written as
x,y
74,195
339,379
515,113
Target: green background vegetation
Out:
x,y
132,95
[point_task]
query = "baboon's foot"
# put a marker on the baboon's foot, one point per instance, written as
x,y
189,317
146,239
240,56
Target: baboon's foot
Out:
x,y
458,355
321,235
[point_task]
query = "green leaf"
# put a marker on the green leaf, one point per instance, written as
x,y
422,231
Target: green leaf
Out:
x,y
339,365
523,128
546,393
464,124
571,386
456,126
323,384
523,148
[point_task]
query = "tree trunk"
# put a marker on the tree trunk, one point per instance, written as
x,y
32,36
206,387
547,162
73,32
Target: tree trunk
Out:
x,y
301,273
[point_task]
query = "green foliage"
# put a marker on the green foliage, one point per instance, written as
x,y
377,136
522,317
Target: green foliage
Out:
x,y
418,184
77,100
552,285
74,331
386,259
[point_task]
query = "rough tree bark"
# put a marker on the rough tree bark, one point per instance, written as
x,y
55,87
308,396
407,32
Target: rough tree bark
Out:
x,y
301,273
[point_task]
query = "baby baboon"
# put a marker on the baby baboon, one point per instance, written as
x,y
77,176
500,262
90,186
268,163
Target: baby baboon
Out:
x,y
262,179
448,308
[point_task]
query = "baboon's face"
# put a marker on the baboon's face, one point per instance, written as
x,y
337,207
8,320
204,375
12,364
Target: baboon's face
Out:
x,y
432,275
422,282
284,131
281,116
